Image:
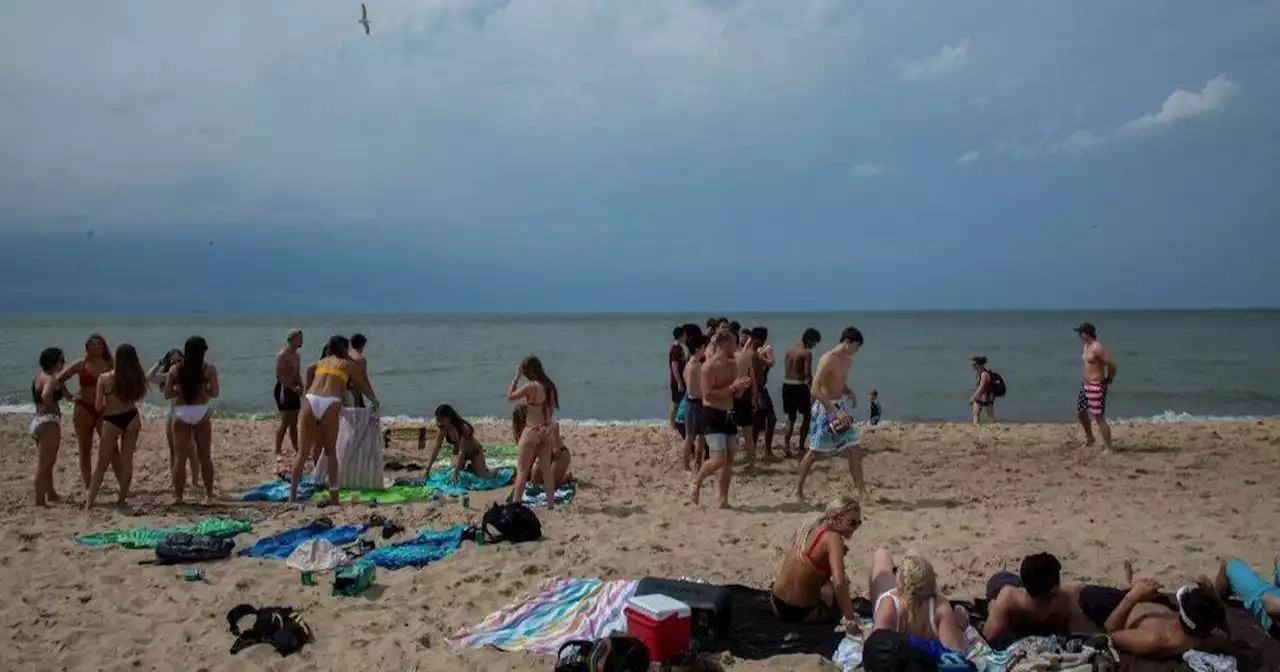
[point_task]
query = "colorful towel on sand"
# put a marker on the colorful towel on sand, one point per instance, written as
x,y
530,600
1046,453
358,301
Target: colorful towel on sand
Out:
x,y
534,495
428,547
281,545
565,610
468,482
148,537
502,453
278,491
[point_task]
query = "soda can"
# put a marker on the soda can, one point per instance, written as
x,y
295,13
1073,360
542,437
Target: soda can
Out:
x,y
192,575
308,579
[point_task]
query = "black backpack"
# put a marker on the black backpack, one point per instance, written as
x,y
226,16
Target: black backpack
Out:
x,y
512,522
997,384
889,651
281,627
180,548
611,654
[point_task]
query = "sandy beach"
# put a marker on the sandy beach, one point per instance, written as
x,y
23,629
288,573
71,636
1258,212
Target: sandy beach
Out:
x,y
974,500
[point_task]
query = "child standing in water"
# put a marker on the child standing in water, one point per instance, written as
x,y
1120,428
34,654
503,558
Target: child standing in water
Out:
x,y
874,406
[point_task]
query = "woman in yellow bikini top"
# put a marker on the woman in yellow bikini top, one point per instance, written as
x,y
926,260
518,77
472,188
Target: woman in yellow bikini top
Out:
x,y
319,420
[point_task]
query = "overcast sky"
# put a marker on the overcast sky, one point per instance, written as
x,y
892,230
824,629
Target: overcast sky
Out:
x,y
615,155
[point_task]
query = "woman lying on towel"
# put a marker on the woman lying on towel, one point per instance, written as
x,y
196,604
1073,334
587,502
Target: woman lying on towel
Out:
x,y
907,601
468,454
560,457
811,585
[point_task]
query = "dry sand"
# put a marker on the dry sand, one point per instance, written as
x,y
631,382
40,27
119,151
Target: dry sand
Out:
x,y
973,500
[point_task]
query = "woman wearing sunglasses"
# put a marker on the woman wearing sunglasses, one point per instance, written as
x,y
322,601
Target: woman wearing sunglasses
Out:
x,y
812,585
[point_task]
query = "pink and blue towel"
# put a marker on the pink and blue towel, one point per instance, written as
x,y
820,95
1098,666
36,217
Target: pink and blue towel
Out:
x,y
565,610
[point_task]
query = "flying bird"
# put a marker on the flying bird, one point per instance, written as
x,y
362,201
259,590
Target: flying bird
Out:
x,y
364,18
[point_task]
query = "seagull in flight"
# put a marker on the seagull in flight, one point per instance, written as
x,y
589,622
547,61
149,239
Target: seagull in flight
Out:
x,y
364,18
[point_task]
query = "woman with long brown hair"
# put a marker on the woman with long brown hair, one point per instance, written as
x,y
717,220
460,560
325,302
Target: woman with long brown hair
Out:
x,y
541,435
321,415
159,376
192,384
46,428
85,418
118,393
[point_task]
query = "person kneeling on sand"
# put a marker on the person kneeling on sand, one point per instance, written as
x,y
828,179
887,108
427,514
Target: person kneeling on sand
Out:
x,y
1261,598
907,601
560,458
812,585
468,454
1141,625
1033,602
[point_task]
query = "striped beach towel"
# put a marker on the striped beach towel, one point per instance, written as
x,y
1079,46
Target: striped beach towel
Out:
x,y
565,610
359,452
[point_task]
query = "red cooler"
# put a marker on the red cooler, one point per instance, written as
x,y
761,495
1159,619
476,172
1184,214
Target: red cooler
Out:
x,y
662,623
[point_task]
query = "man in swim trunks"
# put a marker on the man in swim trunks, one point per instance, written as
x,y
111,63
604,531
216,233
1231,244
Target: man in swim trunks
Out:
x,y
675,371
356,354
720,385
744,404
764,418
1140,624
832,432
1091,399
1259,596
288,390
1033,602
798,372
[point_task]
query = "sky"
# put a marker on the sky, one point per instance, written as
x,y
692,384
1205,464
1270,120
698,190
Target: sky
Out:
x,y
617,156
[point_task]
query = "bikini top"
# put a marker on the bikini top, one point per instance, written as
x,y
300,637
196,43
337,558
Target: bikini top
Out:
x,y
820,563
897,611
87,379
331,371
35,396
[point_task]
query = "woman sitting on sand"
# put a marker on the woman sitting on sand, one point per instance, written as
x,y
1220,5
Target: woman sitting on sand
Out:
x,y
560,459
812,585
119,392
907,601
321,414
158,376
85,418
46,428
541,434
192,384
468,454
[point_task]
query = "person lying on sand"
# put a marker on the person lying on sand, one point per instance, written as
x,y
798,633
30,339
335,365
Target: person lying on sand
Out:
x,y
560,458
812,585
1141,625
1261,598
468,454
907,601
1033,602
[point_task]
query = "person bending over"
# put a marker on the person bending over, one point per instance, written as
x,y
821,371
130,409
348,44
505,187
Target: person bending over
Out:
x,y
907,601
468,454
1032,602
812,585
1141,625
1261,598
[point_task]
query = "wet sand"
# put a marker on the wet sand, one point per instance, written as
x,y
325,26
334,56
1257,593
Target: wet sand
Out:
x,y
1172,499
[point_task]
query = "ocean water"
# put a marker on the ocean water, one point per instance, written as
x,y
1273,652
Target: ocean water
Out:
x,y
1172,365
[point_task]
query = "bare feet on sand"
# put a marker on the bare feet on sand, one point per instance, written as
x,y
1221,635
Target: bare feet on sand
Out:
x,y
694,491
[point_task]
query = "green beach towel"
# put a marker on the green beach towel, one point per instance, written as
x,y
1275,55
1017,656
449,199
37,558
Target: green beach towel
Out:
x,y
148,537
396,494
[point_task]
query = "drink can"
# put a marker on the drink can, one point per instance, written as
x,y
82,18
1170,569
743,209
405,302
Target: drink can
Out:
x,y
192,575
308,579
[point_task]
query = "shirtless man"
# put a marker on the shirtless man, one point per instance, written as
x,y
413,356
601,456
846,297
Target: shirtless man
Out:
x,y
833,432
1099,371
798,372
695,444
288,391
744,404
766,420
356,354
720,385
1033,602
1142,626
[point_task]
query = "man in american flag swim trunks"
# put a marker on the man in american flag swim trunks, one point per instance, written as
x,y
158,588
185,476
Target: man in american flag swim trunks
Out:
x,y
1099,371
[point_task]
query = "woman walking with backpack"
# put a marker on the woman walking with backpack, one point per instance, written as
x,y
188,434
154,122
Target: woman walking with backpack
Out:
x,y
985,394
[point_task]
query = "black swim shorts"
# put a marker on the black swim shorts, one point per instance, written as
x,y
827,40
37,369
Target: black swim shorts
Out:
x,y
695,421
764,413
287,398
744,411
795,399
718,422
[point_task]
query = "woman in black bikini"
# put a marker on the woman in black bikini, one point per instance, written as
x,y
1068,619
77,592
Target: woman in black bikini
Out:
x,y
86,418
468,453
46,428
118,393
811,585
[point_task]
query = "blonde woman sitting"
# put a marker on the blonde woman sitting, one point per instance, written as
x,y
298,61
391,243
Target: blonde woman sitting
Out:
x,y
907,601
812,585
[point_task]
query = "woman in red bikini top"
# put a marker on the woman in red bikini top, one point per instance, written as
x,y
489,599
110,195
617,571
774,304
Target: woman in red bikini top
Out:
x,y
541,435
811,585
87,419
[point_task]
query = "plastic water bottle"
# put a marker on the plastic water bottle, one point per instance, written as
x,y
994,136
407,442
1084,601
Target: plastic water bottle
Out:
x,y
466,500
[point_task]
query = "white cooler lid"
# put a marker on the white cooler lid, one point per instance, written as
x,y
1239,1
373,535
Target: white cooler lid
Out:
x,y
659,607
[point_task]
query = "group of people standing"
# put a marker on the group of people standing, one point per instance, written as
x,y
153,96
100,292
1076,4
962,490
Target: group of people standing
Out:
x,y
110,387
719,389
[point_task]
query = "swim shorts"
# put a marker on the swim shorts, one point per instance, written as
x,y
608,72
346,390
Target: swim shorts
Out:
x,y
720,430
744,411
795,399
287,398
1092,398
821,437
694,417
764,414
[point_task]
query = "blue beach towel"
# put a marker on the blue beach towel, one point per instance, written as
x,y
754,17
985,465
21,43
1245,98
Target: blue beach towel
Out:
x,y
428,547
278,491
468,481
535,496
281,545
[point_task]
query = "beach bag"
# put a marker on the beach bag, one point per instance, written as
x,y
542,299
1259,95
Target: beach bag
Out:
x,y
281,627
513,522
998,388
618,654
181,548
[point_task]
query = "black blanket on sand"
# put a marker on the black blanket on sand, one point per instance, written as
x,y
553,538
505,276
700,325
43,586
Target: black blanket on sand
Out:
x,y
755,633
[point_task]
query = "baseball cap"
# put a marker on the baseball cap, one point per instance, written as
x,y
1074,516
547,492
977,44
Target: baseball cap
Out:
x,y
1087,328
